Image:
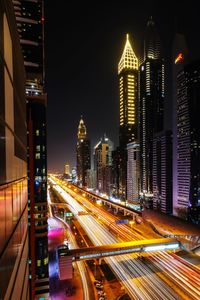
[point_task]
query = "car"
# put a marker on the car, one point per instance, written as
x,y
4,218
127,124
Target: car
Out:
x,y
97,281
101,293
99,286
102,298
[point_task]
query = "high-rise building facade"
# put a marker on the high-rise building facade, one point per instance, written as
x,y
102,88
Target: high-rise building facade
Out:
x,y
151,104
162,172
179,60
67,169
188,140
128,116
83,154
30,23
38,210
128,85
133,172
14,268
103,164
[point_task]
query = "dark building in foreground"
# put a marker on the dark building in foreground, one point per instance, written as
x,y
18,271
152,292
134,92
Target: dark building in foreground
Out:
x,y
162,172
188,140
37,174
83,154
30,23
151,105
14,268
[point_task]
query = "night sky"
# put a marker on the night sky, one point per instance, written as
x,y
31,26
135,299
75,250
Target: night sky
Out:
x,y
83,45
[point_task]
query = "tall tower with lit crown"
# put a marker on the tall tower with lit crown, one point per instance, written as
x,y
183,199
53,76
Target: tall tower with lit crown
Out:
x,y
82,133
83,153
128,84
128,74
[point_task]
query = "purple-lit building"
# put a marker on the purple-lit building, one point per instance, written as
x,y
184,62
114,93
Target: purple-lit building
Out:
x,y
188,140
83,154
179,58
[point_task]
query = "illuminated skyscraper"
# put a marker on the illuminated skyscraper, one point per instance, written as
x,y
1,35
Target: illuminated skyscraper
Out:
x,y
128,85
83,153
67,169
151,104
188,141
179,59
102,164
162,172
133,172
128,81
30,23
14,267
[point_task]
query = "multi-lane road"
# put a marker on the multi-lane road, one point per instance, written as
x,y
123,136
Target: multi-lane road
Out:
x,y
159,276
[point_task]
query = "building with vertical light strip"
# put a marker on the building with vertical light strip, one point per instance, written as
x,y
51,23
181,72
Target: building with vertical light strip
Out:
x,y
128,85
162,172
83,154
14,256
30,24
133,172
151,106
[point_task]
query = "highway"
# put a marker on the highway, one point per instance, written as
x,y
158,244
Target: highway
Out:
x,y
137,276
80,264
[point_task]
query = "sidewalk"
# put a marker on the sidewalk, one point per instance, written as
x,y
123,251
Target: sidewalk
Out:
x,y
58,288
167,224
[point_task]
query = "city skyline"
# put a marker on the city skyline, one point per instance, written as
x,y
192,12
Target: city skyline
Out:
x,y
94,51
99,151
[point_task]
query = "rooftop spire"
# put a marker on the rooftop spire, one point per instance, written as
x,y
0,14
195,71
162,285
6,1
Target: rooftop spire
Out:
x,y
82,133
152,47
128,59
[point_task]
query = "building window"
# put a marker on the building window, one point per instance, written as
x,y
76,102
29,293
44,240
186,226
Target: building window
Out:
x,y
37,156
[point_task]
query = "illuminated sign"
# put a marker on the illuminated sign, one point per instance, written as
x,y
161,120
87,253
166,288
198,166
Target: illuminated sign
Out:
x,y
179,58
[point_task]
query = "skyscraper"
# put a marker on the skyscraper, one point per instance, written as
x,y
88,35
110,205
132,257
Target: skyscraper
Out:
x,y
128,86
162,172
179,59
30,23
188,141
103,164
151,104
133,172
14,268
37,174
83,153
128,81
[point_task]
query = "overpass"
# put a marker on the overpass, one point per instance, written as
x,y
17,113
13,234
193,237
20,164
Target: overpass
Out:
x,y
71,189
141,246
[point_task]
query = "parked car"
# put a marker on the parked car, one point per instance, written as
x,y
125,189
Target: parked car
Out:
x,y
101,293
99,286
98,281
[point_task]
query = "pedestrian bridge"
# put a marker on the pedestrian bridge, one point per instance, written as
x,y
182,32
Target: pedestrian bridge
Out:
x,y
123,248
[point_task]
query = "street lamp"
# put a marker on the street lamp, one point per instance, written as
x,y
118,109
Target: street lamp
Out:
x,y
131,223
